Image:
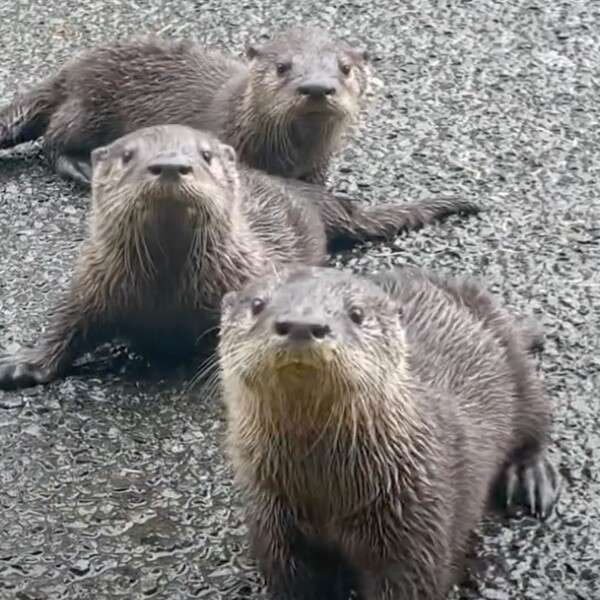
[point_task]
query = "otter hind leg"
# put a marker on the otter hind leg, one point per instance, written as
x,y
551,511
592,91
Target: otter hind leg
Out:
x,y
534,485
346,222
27,116
21,371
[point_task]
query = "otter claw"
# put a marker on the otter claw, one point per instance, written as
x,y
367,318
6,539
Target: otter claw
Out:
x,y
535,486
16,373
512,482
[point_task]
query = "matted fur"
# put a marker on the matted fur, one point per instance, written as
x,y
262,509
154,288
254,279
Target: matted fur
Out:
x,y
157,259
159,256
380,443
116,88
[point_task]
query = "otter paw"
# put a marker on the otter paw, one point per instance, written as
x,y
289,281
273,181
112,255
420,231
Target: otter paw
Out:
x,y
79,171
17,372
445,207
535,486
467,207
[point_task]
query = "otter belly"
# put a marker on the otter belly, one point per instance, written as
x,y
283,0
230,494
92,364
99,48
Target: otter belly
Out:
x,y
167,334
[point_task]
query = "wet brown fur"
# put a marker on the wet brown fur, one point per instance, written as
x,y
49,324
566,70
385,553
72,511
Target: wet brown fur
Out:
x,y
367,458
116,88
158,258
157,261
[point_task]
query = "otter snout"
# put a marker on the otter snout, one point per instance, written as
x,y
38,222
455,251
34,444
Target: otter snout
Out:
x,y
171,167
301,330
316,89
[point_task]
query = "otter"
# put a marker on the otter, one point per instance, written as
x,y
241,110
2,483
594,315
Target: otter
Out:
x,y
285,108
372,420
176,221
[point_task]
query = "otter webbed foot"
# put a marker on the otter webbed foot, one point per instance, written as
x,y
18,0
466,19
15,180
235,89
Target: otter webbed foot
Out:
x,y
20,371
535,486
74,169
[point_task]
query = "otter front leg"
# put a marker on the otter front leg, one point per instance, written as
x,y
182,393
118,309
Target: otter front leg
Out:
x,y
53,355
293,568
68,142
393,586
402,551
75,169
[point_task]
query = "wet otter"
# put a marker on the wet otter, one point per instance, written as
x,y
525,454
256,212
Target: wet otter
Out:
x,y
371,419
176,221
285,109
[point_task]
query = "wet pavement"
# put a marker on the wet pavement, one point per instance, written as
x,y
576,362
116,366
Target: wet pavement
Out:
x,y
114,485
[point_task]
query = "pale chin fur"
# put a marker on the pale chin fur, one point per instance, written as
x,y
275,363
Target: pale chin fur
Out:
x,y
315,356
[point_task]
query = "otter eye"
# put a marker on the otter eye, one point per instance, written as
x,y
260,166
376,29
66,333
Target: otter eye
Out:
x,y
257,305
357,315
282,67
127,156
207,156
345,68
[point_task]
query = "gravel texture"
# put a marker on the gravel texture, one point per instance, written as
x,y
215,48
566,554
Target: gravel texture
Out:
x,y
114,485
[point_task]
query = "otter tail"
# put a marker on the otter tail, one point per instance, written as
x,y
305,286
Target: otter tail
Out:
x,y
26,117
470,293
346,221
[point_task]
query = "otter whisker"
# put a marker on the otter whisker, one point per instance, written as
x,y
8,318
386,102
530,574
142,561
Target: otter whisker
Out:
x,y
206,332
211,370
206,368
211,386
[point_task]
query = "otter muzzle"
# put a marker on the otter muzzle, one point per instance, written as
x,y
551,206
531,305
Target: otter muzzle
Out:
x,y
301,330
316,89
305,341
170,167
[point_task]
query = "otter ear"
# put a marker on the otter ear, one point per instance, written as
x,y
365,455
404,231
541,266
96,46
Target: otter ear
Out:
x,y
362,55
229,152
98,154
253,51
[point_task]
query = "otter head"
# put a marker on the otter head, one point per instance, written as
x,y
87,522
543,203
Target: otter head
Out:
x,y
305,75
311,340
154,189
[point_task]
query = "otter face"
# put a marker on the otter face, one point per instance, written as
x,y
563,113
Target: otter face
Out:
x,y
334,329
305,73
163,168
157,193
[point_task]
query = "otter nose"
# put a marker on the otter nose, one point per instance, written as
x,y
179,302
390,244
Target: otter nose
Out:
x,y
170,167
316,90
301,330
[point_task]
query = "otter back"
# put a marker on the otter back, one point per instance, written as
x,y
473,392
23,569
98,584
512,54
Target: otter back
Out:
x,y
283,109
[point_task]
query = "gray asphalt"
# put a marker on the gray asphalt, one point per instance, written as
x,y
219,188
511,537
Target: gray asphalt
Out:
x,y
114,485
